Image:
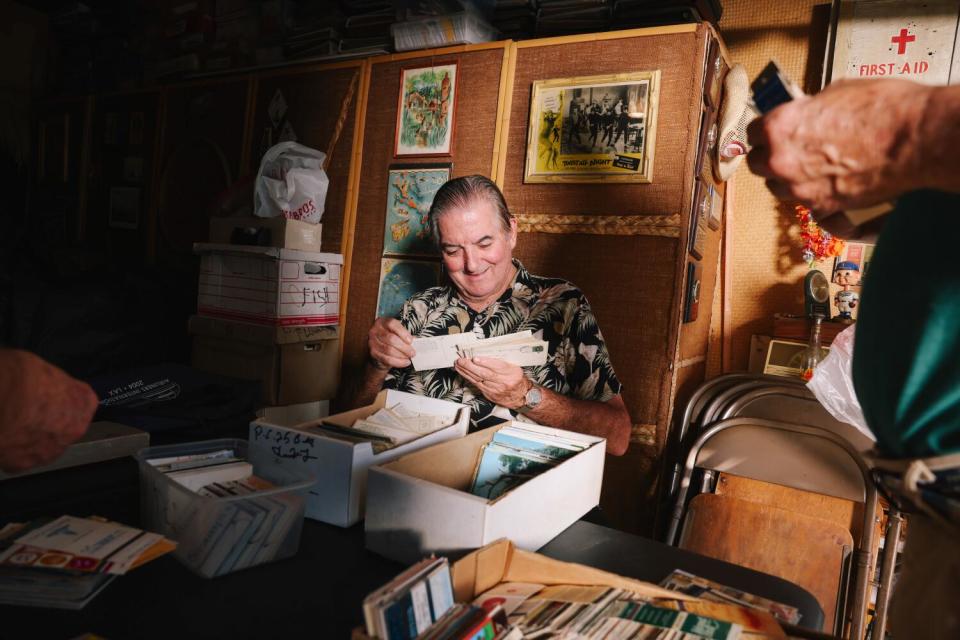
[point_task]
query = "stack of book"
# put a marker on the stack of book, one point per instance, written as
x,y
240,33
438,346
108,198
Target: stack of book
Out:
x,y
65,562
367,29
515,455
562,17
515,19
246,523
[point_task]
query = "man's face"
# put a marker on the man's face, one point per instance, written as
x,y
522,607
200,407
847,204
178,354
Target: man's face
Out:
x,y
477,251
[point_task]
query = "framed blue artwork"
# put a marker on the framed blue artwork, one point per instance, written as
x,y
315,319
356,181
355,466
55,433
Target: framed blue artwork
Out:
x,y
400,279
410,191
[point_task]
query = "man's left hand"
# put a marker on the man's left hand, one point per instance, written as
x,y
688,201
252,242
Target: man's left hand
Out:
x,y
499,381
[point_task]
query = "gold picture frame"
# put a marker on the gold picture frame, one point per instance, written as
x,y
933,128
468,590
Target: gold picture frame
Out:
x,y
593,129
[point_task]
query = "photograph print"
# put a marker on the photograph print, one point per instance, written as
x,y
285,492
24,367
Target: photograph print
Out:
x,y
425,114
410,191
593,129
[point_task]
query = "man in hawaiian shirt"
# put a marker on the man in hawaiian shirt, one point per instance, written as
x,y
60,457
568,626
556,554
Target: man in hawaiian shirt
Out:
x,y
491,294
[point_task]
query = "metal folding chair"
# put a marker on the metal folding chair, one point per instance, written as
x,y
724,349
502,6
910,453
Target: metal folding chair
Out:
x,y
802,457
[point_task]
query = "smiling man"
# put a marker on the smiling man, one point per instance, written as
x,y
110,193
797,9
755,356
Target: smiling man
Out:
x,y
491,294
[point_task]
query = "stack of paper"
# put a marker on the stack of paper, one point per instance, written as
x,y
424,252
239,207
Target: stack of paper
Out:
x,y
585,611
226,535
390,426
65,562
440,352
514,456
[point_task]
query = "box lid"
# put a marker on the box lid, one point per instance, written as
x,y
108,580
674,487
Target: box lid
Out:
x,y
259,333
267,252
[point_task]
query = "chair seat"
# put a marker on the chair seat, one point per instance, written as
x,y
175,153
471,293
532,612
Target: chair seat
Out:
x,y
808,551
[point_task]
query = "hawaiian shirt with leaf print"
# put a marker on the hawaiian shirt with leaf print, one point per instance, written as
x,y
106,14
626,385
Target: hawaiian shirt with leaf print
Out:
x,y
553,310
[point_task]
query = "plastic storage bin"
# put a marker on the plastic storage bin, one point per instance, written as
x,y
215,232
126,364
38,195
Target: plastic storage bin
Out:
x,y
219,535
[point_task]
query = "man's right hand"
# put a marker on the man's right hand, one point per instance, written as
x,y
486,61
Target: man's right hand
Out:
x,y
389,343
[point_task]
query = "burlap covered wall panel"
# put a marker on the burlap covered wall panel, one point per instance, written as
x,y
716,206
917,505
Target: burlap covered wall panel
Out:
x,y
676,57
472,152
629,282
314,100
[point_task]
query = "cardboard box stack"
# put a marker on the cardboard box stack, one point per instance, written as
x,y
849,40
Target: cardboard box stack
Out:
x,y
268,308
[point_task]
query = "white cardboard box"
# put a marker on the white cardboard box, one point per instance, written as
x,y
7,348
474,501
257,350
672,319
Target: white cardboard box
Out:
x,y
341,466
421,504
274,232
268,285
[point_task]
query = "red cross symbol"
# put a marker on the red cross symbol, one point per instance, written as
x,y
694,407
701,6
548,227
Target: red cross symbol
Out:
x,y
902,40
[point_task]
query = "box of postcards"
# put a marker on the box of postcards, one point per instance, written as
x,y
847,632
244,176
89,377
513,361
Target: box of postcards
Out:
x,y
225,511
517,480
338,450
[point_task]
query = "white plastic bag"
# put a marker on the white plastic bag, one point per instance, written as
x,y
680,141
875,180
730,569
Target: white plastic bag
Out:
x,y
832,383
291,182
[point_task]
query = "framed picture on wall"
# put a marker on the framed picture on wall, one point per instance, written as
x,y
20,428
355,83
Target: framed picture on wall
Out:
x,y
410,191
425,111
124,208
400,279
593,128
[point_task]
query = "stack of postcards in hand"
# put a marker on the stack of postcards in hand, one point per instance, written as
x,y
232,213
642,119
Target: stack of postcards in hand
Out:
x,y
64,563
440,352
514,456
390,426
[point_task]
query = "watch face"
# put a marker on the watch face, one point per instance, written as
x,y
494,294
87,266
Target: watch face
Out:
x,y
818,286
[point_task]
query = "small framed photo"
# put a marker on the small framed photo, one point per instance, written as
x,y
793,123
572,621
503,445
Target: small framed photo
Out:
x,y
124,208
425,111
593,128
785,357
410,191
400,279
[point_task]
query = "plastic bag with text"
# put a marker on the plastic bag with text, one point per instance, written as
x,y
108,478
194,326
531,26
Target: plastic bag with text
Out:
x,y
832,383
291,182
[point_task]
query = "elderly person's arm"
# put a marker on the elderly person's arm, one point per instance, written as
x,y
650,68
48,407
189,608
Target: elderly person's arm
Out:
x,y
858,143
389,345
506,384
42,410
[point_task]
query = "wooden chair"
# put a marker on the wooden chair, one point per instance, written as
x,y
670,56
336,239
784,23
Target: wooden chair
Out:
x,y
801,457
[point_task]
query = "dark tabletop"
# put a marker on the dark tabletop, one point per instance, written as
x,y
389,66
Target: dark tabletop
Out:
x,y
315,594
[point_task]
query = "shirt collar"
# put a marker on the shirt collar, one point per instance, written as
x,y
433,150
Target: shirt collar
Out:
x,y
521,277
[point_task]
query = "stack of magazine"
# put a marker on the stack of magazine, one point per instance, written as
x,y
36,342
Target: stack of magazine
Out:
x,y
516,454
65,562
389,426
242,528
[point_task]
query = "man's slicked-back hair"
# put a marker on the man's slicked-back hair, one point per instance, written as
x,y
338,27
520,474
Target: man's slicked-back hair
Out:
x,y
461,192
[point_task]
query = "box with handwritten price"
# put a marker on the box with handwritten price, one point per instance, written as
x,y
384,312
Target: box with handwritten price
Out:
x,y
338,450
225,511
268,285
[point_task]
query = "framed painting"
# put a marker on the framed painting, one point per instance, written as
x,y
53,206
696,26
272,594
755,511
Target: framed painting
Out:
x,y
425,111
400,279
593,128
410,191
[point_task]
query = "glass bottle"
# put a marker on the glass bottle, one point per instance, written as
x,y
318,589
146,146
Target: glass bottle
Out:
x,y
813,354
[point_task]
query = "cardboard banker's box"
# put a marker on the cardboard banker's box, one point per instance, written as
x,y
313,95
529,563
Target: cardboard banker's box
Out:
x,y
421,503
268,285
269,232
341,466
294,364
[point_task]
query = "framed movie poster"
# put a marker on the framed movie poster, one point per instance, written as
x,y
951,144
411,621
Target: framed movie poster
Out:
x,y
593,128
410,191
425,113
400,279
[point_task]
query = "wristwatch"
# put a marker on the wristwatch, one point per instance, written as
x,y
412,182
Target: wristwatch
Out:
x,y
532,399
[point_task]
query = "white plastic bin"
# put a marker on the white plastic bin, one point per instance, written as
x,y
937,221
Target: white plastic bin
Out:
x,y
219,535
